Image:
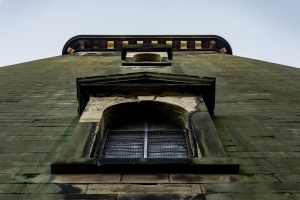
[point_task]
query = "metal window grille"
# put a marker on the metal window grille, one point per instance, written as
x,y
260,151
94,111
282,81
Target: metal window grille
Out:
x,y
145,140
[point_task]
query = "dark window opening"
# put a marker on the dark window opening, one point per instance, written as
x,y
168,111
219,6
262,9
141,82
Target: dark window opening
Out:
x,y
147,57
145,139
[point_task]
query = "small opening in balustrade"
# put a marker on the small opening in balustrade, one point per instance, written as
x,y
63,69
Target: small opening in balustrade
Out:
x,y
169,42
110,44
125,42
198,44
183,44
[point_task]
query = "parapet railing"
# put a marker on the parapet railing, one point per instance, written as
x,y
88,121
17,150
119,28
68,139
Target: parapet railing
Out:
x,y
84,43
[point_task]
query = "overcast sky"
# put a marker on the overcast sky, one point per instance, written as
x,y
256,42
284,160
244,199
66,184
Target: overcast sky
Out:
x,y
262,29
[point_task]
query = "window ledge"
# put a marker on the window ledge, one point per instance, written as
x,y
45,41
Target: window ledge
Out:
x,y
194,166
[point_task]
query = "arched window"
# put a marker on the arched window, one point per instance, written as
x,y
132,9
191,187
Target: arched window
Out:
x,y
145,130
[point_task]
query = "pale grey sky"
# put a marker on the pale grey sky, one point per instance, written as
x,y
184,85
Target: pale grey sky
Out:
x,y
261,29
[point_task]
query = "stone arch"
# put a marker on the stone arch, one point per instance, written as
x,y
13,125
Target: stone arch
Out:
x,y
151,110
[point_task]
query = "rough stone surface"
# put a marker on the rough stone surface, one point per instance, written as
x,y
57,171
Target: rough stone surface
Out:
x,y
145,178
96,106
256,116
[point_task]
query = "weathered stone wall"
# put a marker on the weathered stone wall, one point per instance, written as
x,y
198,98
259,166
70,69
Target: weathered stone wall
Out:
x,y
256,115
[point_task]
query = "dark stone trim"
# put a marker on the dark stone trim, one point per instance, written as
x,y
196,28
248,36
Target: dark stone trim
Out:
x,y
136,196
145,83
193,166
91,196
161,196
99,42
